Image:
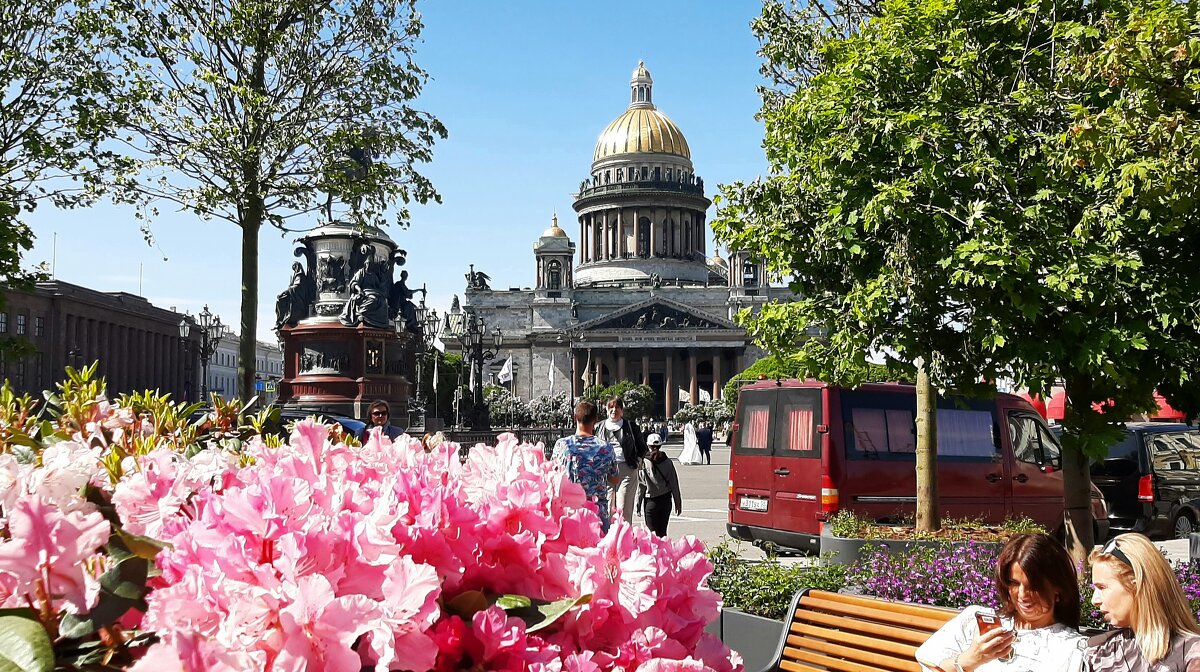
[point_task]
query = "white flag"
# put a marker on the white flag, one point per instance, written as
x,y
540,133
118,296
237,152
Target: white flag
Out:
x,y
587,369
552,367
435,373
506,372
471,387
684,396
705,396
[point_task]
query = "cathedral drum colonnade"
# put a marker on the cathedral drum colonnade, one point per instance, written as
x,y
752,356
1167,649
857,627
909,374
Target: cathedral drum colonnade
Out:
x,y
639,297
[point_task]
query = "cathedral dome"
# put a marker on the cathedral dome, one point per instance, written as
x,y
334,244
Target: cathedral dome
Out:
x,y
554,231
641,128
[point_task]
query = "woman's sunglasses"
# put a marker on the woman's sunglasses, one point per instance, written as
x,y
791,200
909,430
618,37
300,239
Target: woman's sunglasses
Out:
x,y
1111,548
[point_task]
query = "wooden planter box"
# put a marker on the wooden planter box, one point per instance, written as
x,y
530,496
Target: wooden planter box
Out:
x,y
844,551
754,637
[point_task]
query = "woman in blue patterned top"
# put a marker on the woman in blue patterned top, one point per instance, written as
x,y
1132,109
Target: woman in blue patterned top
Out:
x,y
590,462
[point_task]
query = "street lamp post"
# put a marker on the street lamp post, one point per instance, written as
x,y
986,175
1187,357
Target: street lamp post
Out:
x,y
430,324
211,333
471,337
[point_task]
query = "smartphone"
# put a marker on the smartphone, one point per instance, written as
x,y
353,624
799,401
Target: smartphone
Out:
x,y
986,621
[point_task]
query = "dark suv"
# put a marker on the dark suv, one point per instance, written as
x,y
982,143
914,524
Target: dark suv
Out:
x,y
1151,480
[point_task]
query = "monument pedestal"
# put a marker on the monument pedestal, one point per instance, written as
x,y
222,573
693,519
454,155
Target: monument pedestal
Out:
x,y
340,370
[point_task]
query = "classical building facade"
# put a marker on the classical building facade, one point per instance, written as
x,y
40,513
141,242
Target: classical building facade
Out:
x,y
639,297
137,344
268,368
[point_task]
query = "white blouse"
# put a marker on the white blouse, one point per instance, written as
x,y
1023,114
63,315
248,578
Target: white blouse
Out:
x,y
1055,647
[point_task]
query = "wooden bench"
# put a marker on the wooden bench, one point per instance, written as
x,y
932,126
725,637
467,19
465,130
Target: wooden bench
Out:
x,y
852,633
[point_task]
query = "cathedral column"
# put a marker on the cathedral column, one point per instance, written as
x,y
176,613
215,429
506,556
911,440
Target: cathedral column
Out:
x,y
737,361
653,236
716,366
620,365
693,384
672,394
645,366
622,240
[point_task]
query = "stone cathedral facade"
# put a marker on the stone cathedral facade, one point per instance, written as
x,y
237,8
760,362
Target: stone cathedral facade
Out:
x,y
638,296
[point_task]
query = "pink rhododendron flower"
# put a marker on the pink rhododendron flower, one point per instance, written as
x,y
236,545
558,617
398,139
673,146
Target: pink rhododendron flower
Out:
x,y
324,556
51,547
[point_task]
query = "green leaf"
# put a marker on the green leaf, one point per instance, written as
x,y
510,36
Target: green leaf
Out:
x,y
24,643
541,615
510,602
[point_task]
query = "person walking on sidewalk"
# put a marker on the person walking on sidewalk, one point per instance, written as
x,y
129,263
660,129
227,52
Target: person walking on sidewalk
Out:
x,y
704,438
630,449
658,488
588,460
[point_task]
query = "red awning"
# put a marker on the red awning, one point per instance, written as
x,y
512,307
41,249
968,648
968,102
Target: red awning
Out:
x,y
1165,412
1038,404
1056,409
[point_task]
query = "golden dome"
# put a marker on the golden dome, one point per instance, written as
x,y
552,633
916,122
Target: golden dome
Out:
x,y
641,130
554,231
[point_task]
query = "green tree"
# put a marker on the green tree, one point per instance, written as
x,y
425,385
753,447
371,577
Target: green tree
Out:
x,y
60,99
637,398
262,107
924,197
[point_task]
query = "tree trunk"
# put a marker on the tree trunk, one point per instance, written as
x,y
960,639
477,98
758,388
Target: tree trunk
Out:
x,y
928,519
247,349
1077,479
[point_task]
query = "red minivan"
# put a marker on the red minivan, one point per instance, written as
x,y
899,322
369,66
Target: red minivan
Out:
x,y
802,450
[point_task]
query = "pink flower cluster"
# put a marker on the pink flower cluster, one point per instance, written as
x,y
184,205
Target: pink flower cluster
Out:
x,y
324,556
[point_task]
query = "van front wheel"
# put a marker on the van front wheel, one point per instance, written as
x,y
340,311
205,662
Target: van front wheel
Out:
x,y
1184,526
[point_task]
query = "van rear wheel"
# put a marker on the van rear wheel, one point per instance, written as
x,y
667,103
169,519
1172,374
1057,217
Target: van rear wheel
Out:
x,y
1184,526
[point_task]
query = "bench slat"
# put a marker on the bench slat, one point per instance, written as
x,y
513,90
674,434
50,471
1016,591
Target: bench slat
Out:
x,y
827,663
851,654
917,637
873,614
922,610
886,645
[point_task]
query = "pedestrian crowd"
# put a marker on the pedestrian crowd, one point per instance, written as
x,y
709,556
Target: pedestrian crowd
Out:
x,y
621,464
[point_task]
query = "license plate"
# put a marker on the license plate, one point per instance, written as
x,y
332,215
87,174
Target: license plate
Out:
x,y
753,504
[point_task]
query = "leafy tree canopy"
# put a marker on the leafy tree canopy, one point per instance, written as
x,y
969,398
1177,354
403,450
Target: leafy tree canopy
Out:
x,y
1002,190
965,182
61,97
261,112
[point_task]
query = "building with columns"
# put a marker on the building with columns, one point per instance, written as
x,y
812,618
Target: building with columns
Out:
x,y
639,297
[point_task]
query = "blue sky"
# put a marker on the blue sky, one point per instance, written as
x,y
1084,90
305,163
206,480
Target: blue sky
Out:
x,y
524,88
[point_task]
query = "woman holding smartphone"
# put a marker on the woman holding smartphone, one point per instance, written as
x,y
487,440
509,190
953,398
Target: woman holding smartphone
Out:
x,y
1138,593
1036,626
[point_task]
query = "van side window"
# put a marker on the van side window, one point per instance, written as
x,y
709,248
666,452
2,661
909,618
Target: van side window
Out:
x,y
882,431
1031,442
1174,451
965,433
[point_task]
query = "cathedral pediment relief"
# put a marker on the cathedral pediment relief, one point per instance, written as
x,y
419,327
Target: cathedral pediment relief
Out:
x,y
657,316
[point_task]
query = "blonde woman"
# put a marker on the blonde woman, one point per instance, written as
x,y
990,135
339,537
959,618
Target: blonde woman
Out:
x,y
1138,594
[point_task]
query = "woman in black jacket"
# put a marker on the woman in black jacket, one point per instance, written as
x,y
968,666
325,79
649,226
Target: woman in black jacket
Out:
x,y
658,488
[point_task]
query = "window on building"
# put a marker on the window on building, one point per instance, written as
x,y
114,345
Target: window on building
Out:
x,y
554,275
36,374
22,321
3,323
39,326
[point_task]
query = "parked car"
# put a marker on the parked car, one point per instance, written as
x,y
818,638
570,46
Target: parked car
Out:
x,y
802,450
1151,480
